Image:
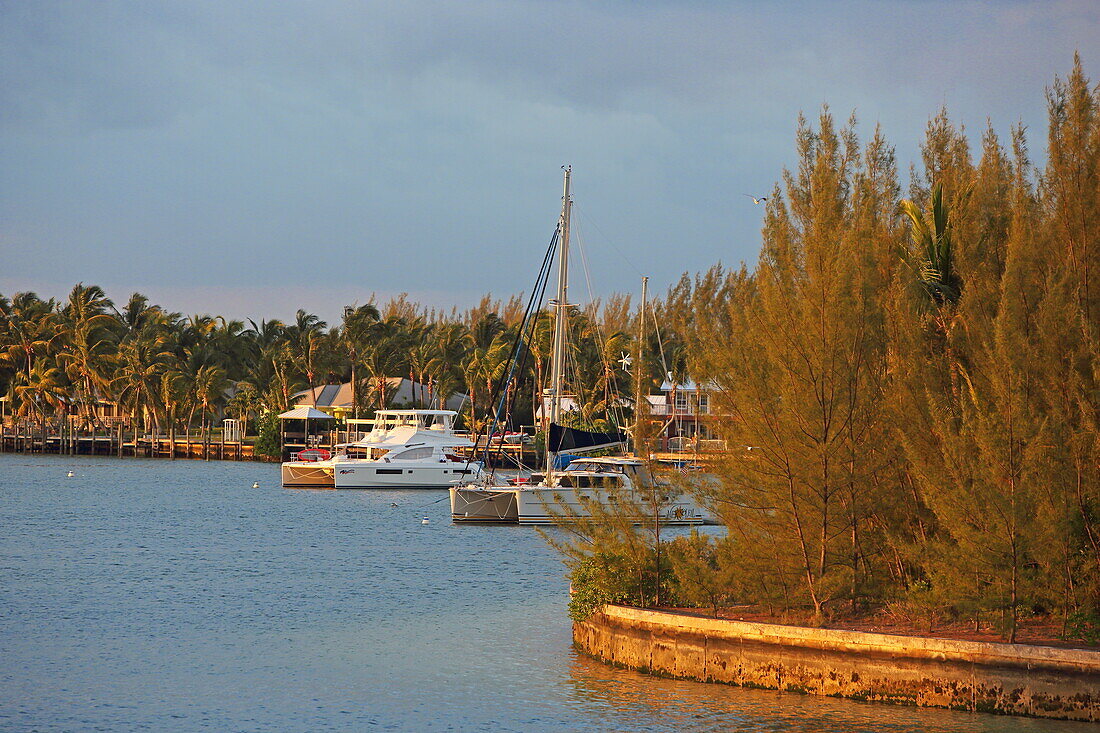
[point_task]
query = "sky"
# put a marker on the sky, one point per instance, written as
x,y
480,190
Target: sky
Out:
x,y
252,158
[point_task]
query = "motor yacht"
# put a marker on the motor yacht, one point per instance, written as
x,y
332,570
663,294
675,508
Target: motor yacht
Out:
x,y
407,449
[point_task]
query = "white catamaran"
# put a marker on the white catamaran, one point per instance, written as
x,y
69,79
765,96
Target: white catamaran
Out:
x,y
407,449
557,495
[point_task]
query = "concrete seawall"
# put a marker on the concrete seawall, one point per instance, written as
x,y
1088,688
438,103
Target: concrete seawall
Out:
x,y
1011,679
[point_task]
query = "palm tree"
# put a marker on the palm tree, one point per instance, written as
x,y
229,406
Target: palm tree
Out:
x,y
209,391
42,388
171,391
540,345
305,337
88,346
30,332
142,363
606,371
419,356
358,322
384,355
930,258
449,344
245,401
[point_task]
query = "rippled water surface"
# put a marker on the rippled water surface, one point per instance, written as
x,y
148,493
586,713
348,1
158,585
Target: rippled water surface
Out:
x,y
160,595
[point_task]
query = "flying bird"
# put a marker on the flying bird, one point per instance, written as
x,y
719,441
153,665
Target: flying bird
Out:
x,y
756,200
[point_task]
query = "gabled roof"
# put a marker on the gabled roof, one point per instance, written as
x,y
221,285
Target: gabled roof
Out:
x,y
328,395
304,412
687,385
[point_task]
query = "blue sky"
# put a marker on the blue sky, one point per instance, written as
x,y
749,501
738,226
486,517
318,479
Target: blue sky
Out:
x,y
253,158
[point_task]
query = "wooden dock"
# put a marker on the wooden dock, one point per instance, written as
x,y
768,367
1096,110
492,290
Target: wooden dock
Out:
x,y
121,443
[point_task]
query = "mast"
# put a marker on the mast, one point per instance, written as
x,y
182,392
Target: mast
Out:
x,y
561,315
640,403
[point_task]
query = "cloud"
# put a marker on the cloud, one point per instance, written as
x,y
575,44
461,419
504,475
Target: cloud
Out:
x,y
356,147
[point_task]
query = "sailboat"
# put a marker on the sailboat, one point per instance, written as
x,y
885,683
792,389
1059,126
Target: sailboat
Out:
x,y
569,490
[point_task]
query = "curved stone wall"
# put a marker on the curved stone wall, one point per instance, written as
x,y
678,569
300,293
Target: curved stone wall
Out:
x,y
1012,679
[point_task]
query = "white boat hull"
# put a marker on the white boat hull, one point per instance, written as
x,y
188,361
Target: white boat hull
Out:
x,y
378,475
470,504
308,475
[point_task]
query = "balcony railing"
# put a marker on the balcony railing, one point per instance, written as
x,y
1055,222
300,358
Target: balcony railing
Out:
x,y
681,411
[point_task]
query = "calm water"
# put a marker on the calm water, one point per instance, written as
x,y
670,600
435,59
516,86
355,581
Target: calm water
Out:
x,y
158,595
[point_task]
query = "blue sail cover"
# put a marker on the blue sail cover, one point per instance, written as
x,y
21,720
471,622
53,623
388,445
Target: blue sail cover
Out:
x,y
563,439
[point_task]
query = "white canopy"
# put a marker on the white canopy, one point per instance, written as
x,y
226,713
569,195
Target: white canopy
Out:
x,y
305,413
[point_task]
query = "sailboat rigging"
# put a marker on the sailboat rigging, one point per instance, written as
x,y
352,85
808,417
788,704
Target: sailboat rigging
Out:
x,y
573,487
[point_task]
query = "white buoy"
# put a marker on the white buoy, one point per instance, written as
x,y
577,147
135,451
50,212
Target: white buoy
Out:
x,y
424,520
71,474
255,484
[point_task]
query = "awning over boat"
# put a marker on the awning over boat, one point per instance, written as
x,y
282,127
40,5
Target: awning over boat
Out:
x,y
305,413
563,439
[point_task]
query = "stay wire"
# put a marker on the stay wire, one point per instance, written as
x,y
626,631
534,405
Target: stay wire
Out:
x,y
502,386
527,331
612,378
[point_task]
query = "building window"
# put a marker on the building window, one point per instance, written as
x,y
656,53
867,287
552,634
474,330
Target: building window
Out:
x,y
682,402
704,404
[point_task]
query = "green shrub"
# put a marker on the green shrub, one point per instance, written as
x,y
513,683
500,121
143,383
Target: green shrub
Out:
x,y
268,443
1083,625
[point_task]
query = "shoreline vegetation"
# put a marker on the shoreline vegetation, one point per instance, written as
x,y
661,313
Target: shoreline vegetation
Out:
x,y
907,386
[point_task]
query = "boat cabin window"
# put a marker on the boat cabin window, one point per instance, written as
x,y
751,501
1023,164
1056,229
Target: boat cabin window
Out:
x,y
640,475
376,453
416,454
590,482
593,467
438,422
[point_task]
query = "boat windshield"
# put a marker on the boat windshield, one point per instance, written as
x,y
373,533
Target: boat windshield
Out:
x,y
438,422
578,466
639,474
590,482
414,454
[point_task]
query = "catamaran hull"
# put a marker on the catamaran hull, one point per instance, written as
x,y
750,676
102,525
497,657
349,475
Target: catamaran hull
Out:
x,y
469,504
308,475
549,506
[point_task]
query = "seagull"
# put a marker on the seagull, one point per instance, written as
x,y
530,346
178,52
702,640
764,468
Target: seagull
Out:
x,y
756,200
71,474
255,484
393,503
424,521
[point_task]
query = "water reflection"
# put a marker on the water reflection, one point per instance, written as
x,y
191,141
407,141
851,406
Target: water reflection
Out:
x,y
633,701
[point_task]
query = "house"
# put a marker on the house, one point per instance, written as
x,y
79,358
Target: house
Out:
x,y
335,399
682,412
